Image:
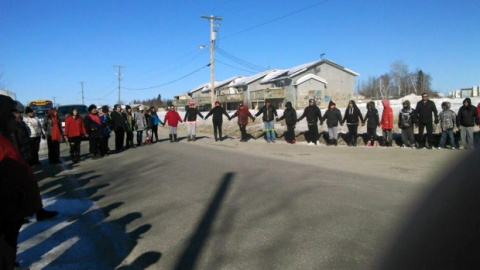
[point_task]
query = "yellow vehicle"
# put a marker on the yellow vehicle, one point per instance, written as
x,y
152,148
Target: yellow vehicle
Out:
x,y
40,104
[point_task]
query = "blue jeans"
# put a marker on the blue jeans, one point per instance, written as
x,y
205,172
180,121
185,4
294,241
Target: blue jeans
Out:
x,y
270,130
443,139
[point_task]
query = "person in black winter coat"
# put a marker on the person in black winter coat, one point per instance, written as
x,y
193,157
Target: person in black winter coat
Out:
x,y
191,120
406,122
372,119
118,126
351,116
333,116
314,115
290,116
269,114
93,127
218,112
467,119
423,113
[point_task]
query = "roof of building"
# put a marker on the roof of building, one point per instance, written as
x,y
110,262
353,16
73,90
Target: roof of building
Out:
x,y
310,76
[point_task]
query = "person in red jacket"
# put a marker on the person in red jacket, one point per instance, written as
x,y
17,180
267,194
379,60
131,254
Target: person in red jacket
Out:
x,y
74,130
387,122
243,114
172,117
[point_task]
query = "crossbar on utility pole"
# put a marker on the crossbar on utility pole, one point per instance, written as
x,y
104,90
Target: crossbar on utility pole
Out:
x,y
212,19
119,80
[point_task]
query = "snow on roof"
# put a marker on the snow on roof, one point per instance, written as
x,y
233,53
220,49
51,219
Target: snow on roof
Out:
x,y
274,74
246,80
218,84
310,76
298,69
198,88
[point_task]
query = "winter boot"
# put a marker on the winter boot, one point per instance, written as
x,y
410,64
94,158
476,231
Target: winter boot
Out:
x,y
77,158
216,138
72,157
175,138
194,138
220,135
390,143
171,138
335,142
43,214
189,138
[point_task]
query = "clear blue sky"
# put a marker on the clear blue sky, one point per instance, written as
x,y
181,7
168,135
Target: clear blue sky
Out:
x,y
48,47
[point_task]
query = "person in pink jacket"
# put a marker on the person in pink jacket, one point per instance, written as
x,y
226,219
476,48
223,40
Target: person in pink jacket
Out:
x,y
387,122
172,118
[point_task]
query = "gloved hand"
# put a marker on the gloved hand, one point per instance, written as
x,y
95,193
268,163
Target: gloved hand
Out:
x,y
163,124
229,118
276,120
43,136
436,121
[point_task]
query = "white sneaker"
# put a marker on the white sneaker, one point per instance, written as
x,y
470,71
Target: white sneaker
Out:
x,y
439,148
453,148
310,143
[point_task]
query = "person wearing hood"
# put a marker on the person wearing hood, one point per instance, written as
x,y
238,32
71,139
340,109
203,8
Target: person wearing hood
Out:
x,y
191,120
218,112
172,118
269,114
74,130
243,114
140,124
290,116
448,119
19,191
406,120
129,127
118,126
94,129
424,110
467,119
53,129
333,116
36,134
106,127
351,116
372,119
314,115
387,122
156,122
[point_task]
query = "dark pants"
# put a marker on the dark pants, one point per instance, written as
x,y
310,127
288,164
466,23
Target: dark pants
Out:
x,y
74,145
313,133
53,150
139,137
155,132
243,131
429,127
352,134
35,141
104,145
217,126
290,134
9,230
129,142
407,137
119,137
94,144
372,133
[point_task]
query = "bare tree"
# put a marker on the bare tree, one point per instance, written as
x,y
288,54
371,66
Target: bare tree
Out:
x,y
384,83
399,72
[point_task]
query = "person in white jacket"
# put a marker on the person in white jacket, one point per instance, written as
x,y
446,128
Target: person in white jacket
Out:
x,y
36,133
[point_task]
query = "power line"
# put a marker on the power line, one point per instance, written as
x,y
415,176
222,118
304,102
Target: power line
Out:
x,y
163,84
233,66
240,61
276,19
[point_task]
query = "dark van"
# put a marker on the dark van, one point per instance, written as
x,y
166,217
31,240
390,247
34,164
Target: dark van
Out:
x,y
65,110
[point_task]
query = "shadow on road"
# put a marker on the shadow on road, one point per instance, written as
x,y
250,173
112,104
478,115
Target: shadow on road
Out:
x,y
196,242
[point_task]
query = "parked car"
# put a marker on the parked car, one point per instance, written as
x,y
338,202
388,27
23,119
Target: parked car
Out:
x,y
65,110
41,114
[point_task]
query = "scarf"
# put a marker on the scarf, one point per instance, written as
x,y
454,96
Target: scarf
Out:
x,y
56,135
95,118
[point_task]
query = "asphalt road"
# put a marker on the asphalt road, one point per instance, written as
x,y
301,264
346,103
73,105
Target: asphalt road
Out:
x,y
233,205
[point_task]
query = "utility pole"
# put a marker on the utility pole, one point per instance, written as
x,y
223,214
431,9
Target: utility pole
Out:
x,y
83,97
54,103
213,35
119,74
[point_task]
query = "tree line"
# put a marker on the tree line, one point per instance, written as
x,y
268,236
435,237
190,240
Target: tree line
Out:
x,y
398,82
157,102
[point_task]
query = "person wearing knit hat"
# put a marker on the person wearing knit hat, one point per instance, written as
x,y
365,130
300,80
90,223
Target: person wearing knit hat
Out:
x,y
313,115
218,111
352,116
243,114
333,116
191,120
94,129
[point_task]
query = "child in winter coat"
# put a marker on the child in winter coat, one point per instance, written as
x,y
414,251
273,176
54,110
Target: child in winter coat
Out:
x,y
448,120
290,116
333,117
387,122
406,123
218,111
352,115
156,121
172,118
372,119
